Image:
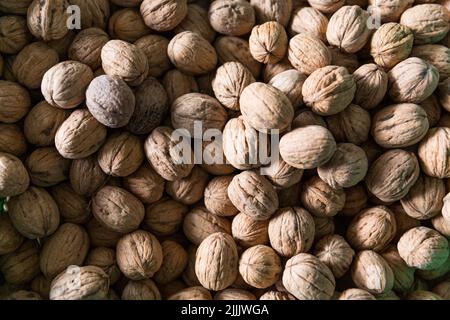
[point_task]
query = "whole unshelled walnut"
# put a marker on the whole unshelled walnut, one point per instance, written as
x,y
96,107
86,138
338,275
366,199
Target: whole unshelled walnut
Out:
x,y
336,253
355,200
94,13
371,85
73,207
145,184
324,226
403,274
14,178
10,239
276,295
127,25
309,20
190,189
234,294
290,82
356,294
248,232
388,10
86,176
197,21
216,197
344,59
272,10
434,146
192,293
15,101
282,175
47,167
268,42
155,49
175,259
444,94
199,223
15,34
216,263
101,236
307,278
47,19
231,17
423,295
437,55
163,15
87,47
164,217
141,290
22,265
326,6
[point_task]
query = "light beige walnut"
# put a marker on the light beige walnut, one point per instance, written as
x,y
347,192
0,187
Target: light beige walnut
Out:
x,y
260,266
282,175
248,232
231,17
272,10
14,178
189,190
47,19
234,294
268,42
433,153
326,6
336,253
141,290
309,20
127,25
192,293
47,167
403,274
388,10
290,82
199,223
163,15
87,47
271,70
197,20
276,295
371,85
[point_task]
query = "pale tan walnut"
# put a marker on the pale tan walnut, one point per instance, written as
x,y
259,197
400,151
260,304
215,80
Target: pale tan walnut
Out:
x,y
260,266
348,29
86,176
48,19
164,217
324,226
15,101
10,238
14,34
162,149
190,189
92,284
307,53
145,184
127,25
14,178
305,117
443,289
423,295
197,21
329,90
272,10
437,55
346,168
214,161
309,20
276,295
175,259
423,248
248,232
433,153
47,167
253,195
351,125
403,274
117,209
428,22
282,175
372,229
216,197
392,175
268,42
22,265
73,207
326,6
94,13
356,294
372,273
15,7
403,221
230,48
192,54
101,236
355,200
231,17
34,213
336,253
216,263
320,199
307,278
271,70
388,10
192,293
80,135
290,82
234,294
444,94
371,85
163,15
87,47
155,49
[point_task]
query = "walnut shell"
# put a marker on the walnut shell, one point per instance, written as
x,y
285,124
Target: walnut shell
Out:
x,y
73,207
248,232
403,221
14,178
323,227
268,42
371,85
326,6
231,17
309,20
192,293
291,231
437,55
86,176
87,47
272,10
356,294
234,294
307,278
260,266
12,139
271,70
163,15
47,19
403,274
47,167
197,21
177,84
127,25
392,175
10,238
276,295
290,82
155,49
423,248
329,90
16,7
214,161
145,184
117,209
216,197
435,273
101,236
336,253
164,217
199,223
34,213
15,102
15,34
216,263
24,295
189,190
22,265
355,200
433,152
141,290
444,94
80,135
282,175
388,10
175,259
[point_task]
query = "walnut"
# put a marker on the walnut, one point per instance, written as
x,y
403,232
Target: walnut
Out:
x,y
443,289
306,117
47,19
326,6
189,190
175,259
444,203
403,221
272,10
101,236
214,161
24,295
260,266
320,199
16,7
309,20
323,227
356,294
444,94
343,59
371,85
163,15
234,294
192,293
435,273
22,265
145,184
403,274
268,42
155,49
290,82
248,232
10,238
216,263
197,21
200,61
388,10
355,200
127,25
164,217
15,34
437,55
216,197
14,178
73,207
199,223
329,90
189,276
433,152
87,47
392,175
141,290
282,175
307,278
336,253
317,147
15,102
177,84
47,167
94,13
423,248
231,17
271,70
86,176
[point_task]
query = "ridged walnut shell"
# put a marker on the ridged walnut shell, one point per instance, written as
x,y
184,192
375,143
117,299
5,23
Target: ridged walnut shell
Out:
x,y
371,85
268,42
290,82
15,102
248,232
101,236
73,207
12,139
48,19
87,47
15,34
189,190
437,55
199,223
272,10
356,294
163,15
141,290
403,274
282,175
388,10
308,20
145,184
231,17
22,265
14,178
336,253
47,167
10,238
197,21
326,6
86,176
155,49
164,217
234,294
260,266
192,293
127,25
175,260
216,197
433,153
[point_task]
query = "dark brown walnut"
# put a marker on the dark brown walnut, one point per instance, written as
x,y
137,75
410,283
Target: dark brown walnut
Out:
x,y
437,55
355,200
199,223
268,42
371,85
387,10
216,197
68,246
141,290
412,80
87,47
433,153
15,7
248,232
15,102
346,168
230,48
10,238
175,259
320,199
290,82
231,17
433,109
2,64
47,167
14,178
101,236
272,10
307,278
110,101
145,184
192,109
351,125
94,13
197,21
444,94
42,122
164,217
305,117
80,135
234,294
127,25
216,263
163,15
14,34
336,253
86,176
192,293
326,6
73,207
372,229
62,45
139,255
34,213
181,53
356,294
121,155
48,19
125,60
429,22
308,20
253,195
344,59
282,175
92,284
307,53
329,90
291,231
104,258
276,295
164,151
403,274
190,189
392,175
22,265
155,49
117,209
271,70
177,84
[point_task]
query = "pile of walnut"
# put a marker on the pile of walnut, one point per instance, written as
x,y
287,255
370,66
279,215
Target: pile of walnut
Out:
x,y
358,207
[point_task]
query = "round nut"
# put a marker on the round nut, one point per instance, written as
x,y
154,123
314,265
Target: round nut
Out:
x,y
101,236
73,207
326,6
127,25
282,175
87,47
307,53
197,21
356,294
12,139
216,197
371,85
231,17
388,10
22,265
86,176
433,153
175,259
15,34
145,184
163,15
437,55
268,42
164,217
141,290
336,253
14,178
177,84
248,232
309,20
403,274
10,238
188,190
234,294
15,102
272,10
47,20
155,49
355,200
47,167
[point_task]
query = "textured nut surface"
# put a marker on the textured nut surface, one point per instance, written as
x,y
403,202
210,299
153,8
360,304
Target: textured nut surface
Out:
x,y
272,10
248,232
47,19
128,25
199,223
175,259
86,176
387,10
145,184
10,238
231,17
47,167
234,294
433,152
189,190
216,197
309,20
268,42
15,101
164,217
290,82
282,175
326,6
356,294
87,47
12,139
336,253
22,265
437,55
351,125
197,21
371,85
14,178
163,15
141,290
403,274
